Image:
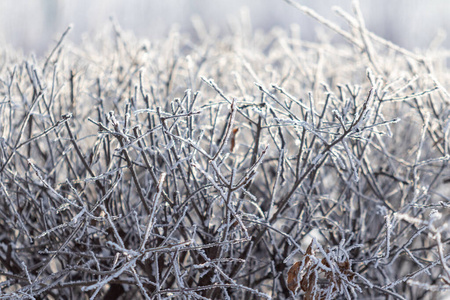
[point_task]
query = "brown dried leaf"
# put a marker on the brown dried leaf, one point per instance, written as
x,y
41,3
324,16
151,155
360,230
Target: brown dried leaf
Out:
x,y
309,251
293,279
233,139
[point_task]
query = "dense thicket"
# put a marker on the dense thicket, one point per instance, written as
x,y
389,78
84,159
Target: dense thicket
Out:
x,y
239,166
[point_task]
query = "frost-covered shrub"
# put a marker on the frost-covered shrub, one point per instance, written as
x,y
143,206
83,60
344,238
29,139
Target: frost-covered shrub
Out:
x,y
202,167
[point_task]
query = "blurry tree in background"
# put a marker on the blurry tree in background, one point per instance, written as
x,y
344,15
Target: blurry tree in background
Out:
x,y
33,25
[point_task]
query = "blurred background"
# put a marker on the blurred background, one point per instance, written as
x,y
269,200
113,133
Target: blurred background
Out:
x,y
35,25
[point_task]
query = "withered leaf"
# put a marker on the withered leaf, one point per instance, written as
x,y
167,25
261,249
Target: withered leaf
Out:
x,y
293,277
